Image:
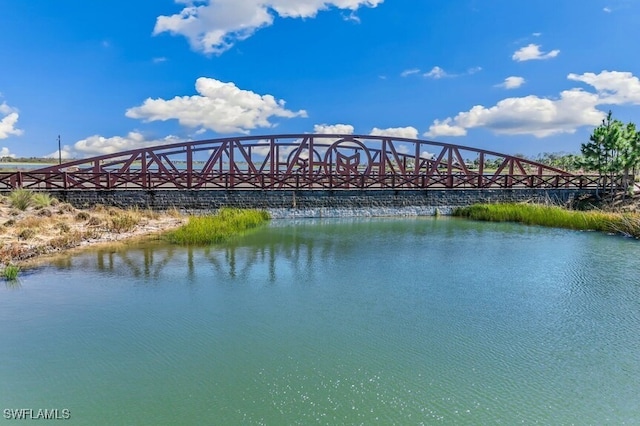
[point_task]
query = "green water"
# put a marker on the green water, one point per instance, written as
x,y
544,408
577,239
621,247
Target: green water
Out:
x,y
368,321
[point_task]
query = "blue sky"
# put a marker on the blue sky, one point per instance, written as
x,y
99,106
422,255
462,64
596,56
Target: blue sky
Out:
x,y
511,76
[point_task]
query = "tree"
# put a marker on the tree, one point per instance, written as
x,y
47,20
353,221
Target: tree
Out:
x,y
613,150
630,153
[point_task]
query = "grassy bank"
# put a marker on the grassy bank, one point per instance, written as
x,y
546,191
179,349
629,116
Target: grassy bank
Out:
x,y
33,225
219,228
554,216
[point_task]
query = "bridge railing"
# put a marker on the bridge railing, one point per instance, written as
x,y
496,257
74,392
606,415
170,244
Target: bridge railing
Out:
x,y
51,181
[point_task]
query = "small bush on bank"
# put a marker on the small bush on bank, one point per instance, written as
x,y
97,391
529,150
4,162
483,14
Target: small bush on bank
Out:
x,y
202,230
65,208
82,216
94,221
41,199
10,272
122,222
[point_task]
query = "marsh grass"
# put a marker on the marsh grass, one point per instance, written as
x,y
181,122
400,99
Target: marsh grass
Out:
x,y
150,214
10,272
41,199
26,234
65,208
82,216
173,212
219,228
123,221
33,222
627,224
554,216
21,199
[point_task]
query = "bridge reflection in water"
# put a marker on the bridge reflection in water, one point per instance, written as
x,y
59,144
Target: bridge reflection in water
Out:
x,y
299,161
291,247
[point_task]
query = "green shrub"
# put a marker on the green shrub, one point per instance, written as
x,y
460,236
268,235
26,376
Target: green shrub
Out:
x,y
41,199
10,272
219,228
21,199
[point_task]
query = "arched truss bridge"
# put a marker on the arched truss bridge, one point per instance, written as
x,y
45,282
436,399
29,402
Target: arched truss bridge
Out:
x,y
299,161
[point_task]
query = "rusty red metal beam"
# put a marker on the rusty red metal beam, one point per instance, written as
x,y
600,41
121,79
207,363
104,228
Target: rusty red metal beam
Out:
x,y
297,161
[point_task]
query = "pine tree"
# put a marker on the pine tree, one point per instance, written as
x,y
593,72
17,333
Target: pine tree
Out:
x,y
613,150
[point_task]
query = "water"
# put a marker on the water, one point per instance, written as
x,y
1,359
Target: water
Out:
x,y
367,321
25,167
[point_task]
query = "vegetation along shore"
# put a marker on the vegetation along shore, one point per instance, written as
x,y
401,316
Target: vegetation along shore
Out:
x,y
34,224
627,224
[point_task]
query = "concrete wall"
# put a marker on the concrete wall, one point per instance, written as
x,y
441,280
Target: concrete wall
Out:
x,y
316,203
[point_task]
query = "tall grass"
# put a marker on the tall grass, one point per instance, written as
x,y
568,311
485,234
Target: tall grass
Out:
x,y
219,228
123,221
627,224
543,215
21,199
41,199
10,272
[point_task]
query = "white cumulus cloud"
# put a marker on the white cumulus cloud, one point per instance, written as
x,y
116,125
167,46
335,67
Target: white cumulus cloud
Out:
x,y
396,132
614,87
333,129
543,117
445,127
4,152
100,145
213,26
533,52
9,117
512,82
221,107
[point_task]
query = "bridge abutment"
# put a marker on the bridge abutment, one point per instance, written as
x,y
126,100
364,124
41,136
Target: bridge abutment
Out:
x,y
315,203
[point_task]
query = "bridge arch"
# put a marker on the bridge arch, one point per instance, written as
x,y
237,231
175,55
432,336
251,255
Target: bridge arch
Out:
x,y
301,161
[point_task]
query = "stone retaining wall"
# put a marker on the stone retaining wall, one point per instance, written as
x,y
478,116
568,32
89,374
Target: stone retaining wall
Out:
x,y
317,203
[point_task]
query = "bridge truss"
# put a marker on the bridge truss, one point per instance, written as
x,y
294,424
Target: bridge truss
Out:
x,y
299,161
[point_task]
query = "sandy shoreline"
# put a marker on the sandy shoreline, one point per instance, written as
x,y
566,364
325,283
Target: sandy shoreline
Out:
x,y
27,236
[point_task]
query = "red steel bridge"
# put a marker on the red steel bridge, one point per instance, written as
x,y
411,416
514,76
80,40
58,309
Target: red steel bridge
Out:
x,y
298,162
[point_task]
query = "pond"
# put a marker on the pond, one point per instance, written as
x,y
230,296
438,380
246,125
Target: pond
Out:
x,y
359,321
